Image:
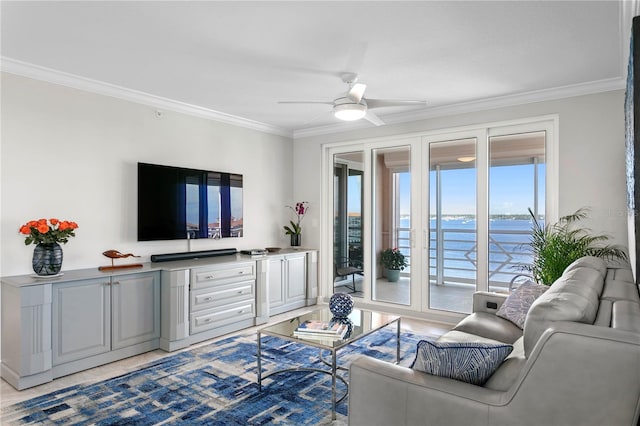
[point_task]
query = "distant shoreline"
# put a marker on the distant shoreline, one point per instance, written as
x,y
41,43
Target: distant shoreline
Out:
x,y
491,217
467,216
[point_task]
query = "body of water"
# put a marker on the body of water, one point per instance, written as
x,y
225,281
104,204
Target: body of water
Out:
x,y
507,248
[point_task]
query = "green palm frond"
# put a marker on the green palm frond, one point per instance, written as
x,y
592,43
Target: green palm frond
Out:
x,y
556,246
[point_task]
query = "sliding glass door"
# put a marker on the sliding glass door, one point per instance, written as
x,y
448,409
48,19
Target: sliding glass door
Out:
x,y
481,190
348,206
453,219
455,205
392,223
517,176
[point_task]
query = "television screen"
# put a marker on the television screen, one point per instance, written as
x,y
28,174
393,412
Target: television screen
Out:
x,y
178,203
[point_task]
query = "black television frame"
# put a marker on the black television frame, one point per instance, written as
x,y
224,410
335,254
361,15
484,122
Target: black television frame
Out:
x,y
162,203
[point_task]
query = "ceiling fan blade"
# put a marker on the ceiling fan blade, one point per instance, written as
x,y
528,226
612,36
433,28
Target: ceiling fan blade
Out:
x,y
374,119
356,92
306,102
379,103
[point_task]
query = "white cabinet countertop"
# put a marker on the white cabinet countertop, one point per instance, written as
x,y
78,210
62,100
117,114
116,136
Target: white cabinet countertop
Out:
x,y
82,274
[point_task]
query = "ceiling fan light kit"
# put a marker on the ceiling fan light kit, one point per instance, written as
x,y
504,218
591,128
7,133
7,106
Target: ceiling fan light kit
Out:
x,y
353,105
350,111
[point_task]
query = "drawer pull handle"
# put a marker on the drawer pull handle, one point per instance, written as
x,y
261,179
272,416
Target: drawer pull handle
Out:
x,y
241,311
241,272
208,298
241,292
207,320
209,277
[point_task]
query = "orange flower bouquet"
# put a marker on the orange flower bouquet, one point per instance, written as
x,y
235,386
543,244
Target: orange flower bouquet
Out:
x,y
50,231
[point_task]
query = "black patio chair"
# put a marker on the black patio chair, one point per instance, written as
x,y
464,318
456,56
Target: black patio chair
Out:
x,y
344,267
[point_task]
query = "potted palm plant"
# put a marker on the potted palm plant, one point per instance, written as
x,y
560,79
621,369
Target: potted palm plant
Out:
x,y
556,246
393,261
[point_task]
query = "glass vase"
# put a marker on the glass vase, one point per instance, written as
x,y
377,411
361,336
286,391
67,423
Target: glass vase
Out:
x,y
47,259
295,240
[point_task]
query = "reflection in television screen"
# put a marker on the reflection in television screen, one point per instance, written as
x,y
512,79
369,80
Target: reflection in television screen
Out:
x,y
179,203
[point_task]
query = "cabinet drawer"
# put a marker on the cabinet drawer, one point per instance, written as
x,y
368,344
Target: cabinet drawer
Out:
x,y
207,277
222,294
217,317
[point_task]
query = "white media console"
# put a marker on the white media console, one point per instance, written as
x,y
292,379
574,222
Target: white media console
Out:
x,y
52,327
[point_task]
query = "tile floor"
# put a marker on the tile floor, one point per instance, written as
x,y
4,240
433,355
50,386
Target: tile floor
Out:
x,y
455,298
9,396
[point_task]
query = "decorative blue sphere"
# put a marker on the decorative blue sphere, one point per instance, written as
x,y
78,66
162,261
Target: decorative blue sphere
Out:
x,y
341,305
343,320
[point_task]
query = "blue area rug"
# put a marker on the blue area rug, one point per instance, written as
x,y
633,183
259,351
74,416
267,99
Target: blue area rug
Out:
x,y
213,384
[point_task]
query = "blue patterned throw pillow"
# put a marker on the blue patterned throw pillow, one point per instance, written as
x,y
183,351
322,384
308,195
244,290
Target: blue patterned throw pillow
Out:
x,y
470,362
516,306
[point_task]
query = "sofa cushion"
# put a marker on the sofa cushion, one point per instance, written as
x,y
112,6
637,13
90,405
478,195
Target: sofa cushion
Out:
x,y
590,262
620,290
603,318
620,273
573,297
509,370
626,316
517,305
470,362
490,326
455,336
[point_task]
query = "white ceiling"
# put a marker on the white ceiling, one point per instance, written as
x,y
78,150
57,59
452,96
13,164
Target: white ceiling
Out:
x,y
239,58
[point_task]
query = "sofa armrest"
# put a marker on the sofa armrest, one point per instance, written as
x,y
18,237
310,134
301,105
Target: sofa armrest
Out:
x,y
577,374
381,393
600,371
489,302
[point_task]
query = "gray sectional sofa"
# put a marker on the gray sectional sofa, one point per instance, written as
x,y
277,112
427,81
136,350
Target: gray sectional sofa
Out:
x,y
575,362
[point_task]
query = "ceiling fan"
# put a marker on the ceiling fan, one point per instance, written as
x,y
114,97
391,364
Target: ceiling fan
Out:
x,y
353,105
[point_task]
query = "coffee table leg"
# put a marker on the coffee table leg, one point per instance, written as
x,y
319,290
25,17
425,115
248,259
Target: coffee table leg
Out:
x,y
259,364
333,384
398,342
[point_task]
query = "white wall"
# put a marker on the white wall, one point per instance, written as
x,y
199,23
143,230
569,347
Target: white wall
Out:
x,y
73,155
591,155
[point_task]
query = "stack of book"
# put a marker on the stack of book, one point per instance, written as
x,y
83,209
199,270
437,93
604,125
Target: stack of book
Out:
x,y
317,329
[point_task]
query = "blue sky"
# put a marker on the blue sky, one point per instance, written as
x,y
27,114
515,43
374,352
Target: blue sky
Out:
x,y
511,191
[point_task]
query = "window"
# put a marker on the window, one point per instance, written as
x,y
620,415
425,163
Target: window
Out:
x,y
456,204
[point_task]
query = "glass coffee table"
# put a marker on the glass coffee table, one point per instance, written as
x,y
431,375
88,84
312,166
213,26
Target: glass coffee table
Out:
x,y
364,322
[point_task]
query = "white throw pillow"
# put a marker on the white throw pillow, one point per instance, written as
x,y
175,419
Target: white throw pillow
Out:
x,y
516,306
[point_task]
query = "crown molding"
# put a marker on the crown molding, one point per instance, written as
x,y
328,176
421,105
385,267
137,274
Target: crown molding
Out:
x,y
473,106
37,72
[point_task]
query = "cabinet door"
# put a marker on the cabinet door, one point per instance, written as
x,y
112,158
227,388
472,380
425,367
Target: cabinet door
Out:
x,y
296,281
81,314
275,282
135,309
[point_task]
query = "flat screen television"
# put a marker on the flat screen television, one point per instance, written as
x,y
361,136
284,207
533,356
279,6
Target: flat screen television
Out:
x,y
177,203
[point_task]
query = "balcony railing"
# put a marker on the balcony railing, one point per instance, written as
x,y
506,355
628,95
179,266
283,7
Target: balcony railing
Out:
x,y
455,261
